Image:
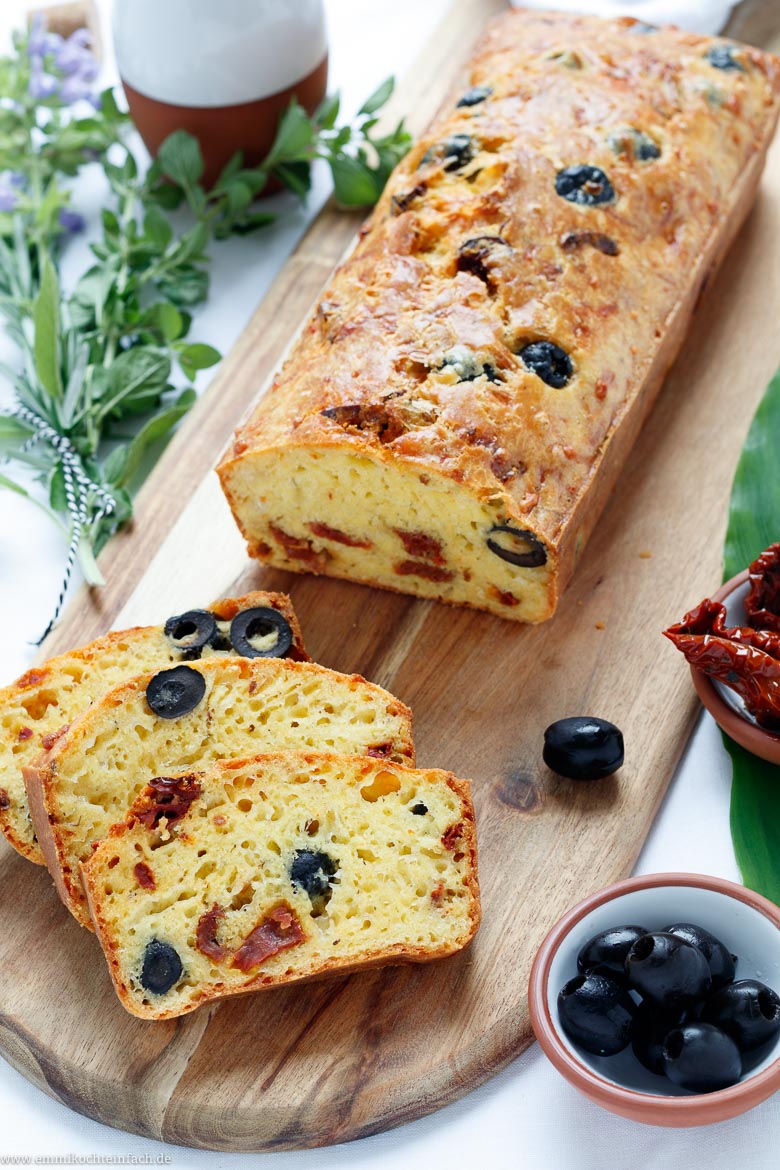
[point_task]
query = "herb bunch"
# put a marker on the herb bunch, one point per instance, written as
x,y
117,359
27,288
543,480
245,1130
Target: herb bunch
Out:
x,y
106,368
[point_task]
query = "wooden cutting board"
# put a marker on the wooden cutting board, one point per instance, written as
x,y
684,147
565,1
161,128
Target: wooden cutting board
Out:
x,y
348,1057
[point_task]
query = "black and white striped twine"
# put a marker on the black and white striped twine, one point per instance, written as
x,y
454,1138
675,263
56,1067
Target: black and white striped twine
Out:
x,y
79,491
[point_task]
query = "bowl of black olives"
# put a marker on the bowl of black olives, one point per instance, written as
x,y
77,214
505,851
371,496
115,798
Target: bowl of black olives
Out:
x,y
659,998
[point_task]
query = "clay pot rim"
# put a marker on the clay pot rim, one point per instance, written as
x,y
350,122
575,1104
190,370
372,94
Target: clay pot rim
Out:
x,y
756,740
653,1109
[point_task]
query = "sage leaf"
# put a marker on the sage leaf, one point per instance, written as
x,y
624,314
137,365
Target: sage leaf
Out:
x,y
46,325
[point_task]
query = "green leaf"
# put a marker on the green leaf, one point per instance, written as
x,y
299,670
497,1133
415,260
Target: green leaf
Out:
x,y
753,525
198,357
378,98
327,111
755,825
46,324
157,228
354,185
754,515
57,497
181,159
152,431
13,433
295,137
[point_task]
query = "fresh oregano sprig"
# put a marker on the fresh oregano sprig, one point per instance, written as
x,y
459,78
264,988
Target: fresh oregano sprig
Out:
x,y
98,385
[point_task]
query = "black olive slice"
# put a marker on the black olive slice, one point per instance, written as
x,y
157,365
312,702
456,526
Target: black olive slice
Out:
x,y
191,631
475,95
529,555
419,810
311,871
722,57
548,361
162,967
453,152
258,623
175,692
585,185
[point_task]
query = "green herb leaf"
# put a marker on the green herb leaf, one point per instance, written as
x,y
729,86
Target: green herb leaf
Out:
x,y
180,158
46,323
327,111
198,357
353,183
754,514
152,432
379,97
755,829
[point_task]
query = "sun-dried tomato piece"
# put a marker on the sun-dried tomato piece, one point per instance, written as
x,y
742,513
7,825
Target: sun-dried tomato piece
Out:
x,y
206,934
452,835
762,603
166,796
279,930
744,659
144,876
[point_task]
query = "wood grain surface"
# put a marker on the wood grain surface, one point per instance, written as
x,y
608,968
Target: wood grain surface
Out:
x,y
343,1058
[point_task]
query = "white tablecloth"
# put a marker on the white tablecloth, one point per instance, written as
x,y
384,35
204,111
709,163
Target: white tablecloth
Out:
x,y
527,1117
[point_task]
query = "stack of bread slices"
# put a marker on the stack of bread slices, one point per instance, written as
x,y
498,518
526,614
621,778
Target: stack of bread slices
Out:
x,y
229,816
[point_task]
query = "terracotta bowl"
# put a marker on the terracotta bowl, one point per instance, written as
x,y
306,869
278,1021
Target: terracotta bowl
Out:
x,y
725,705
747,923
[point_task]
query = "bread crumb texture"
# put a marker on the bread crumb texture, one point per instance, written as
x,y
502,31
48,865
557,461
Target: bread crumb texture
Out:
x,y
278,869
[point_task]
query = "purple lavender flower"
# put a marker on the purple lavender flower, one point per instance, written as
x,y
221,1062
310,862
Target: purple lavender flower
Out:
x,y
74,57
71,221
75,89
17,179
42,85
8,199
37,36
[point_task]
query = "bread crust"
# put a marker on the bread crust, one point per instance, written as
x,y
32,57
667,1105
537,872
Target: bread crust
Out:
x,y
399,954
565,91
44,682
41,778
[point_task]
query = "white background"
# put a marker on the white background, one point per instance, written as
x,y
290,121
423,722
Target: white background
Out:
x,y
527,1117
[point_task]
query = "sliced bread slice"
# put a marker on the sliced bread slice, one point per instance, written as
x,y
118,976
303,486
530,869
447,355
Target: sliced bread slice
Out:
x,y
37,705
218,709
281,868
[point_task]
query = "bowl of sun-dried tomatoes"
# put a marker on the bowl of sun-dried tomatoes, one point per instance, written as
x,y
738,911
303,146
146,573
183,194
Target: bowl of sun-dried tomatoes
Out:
x,y
732,643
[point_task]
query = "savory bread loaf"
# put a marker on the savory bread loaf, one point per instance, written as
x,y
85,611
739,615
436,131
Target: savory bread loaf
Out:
x,y
39,703
189,717
460,403
281,868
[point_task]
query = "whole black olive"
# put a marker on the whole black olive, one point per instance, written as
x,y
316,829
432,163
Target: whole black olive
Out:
x,y
259,623
548,361
191,631
596,1013
607,951
667,970
475,95
701,1058
311,870
528,551
453,153
649,1030
747,1011
175,692
721,961
722,57
162,967
583,747
584,184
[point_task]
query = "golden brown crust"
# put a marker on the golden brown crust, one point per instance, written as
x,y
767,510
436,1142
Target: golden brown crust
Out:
x,y
389,955
614,284
43,686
